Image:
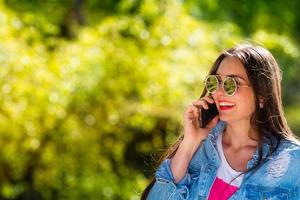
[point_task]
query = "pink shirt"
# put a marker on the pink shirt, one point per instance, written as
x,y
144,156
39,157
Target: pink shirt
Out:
x,y
227,181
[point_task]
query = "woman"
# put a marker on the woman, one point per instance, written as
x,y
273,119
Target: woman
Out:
x,y
248,150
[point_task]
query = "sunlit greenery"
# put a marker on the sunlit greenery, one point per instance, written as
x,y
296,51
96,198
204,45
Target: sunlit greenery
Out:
x,y
91,91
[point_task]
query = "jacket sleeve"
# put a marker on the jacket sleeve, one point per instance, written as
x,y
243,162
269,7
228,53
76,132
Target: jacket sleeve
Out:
x,y
165,186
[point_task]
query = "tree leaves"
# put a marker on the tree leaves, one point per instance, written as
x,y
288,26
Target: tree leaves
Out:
x,y
83,115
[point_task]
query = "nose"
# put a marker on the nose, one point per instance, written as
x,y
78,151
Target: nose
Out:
x,y
219,91
217,94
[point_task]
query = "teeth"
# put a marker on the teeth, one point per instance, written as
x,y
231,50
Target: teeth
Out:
x,y
226,104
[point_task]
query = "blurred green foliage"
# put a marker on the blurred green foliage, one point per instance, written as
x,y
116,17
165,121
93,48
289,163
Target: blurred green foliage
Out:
x,y
91,91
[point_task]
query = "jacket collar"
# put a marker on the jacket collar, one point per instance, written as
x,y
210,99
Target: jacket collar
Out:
x,y
269,144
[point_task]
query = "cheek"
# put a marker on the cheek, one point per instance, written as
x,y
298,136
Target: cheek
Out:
x,y
247,102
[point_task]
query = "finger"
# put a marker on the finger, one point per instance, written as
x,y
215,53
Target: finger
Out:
x,y
196,113
197,102
190,113
205,105
197,123
209,99
200,103
193,112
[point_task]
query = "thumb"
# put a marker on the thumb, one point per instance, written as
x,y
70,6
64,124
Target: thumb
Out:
x,y
213,122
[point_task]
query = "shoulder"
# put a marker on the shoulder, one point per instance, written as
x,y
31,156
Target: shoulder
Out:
x,y
291,147
287,155
282,167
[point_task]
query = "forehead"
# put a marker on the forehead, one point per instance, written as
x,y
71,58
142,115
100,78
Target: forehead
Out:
x,y
232,66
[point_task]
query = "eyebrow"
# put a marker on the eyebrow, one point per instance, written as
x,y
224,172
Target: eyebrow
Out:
x,y
232,75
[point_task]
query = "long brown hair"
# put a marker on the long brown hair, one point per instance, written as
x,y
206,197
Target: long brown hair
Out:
x,y
265,78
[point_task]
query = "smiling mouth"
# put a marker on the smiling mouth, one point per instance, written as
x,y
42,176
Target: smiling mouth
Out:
x,y
226,106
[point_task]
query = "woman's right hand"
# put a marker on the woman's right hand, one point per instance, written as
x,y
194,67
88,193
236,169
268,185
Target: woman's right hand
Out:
x,y
193,134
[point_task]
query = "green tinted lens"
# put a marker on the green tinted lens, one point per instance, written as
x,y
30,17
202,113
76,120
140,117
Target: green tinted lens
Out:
x,y
211,83
230,86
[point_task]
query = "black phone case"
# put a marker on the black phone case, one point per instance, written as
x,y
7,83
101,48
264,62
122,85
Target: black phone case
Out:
x,y
208,115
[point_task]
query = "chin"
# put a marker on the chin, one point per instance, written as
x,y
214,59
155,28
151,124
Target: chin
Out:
x,y
228,118
225,118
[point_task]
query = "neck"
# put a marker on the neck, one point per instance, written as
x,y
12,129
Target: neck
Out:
x,y
241,134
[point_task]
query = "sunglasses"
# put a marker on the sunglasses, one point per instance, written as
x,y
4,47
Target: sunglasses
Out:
x,y
229,84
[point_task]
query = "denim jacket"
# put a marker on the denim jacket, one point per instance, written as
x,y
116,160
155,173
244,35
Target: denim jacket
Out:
x,y
277,178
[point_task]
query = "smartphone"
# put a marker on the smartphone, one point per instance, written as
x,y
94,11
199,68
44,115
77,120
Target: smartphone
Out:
x,y
208,115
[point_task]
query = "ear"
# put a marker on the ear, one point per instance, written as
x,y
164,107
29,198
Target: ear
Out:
x,y
261,102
